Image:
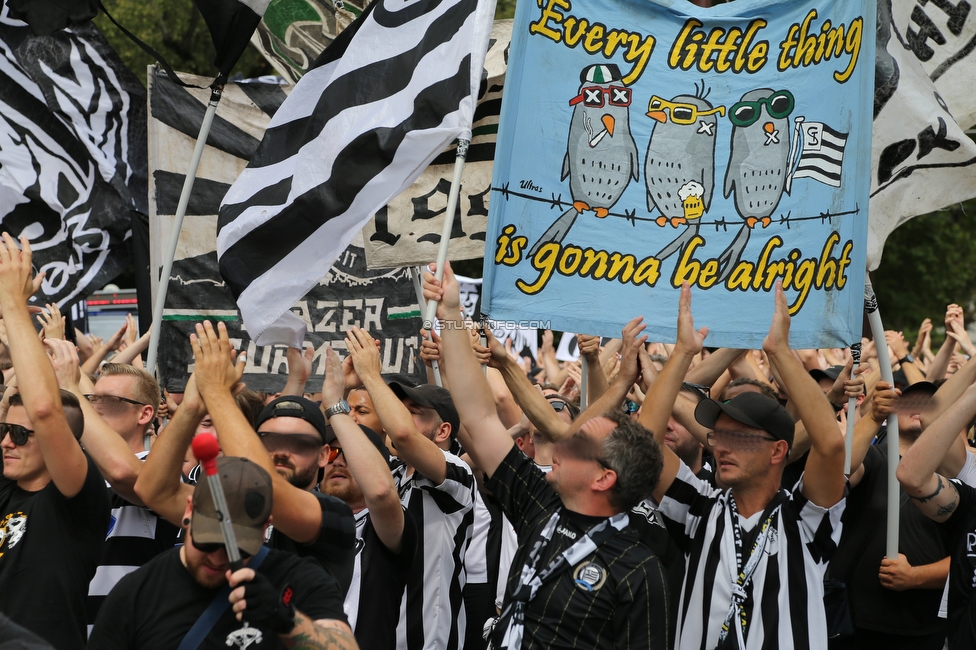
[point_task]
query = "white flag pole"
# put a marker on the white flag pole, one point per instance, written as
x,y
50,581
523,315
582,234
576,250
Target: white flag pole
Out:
x,y
452,200
174,236
584,379
894,502
415,275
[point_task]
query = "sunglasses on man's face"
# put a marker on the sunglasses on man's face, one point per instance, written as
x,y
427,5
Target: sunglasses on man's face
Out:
x,y
213,547
18,434
334,453
111,401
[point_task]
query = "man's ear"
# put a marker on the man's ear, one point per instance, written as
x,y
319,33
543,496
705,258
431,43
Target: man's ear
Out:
x,y
780,452
443,433
605,481
324,456
146,414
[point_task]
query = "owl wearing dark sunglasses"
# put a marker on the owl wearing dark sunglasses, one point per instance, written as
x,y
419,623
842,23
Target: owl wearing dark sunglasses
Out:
x,y
601,154
758,163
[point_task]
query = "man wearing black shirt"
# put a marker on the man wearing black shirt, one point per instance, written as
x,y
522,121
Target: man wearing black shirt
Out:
x,y
290,446
278,600
581,578
358,473
54,509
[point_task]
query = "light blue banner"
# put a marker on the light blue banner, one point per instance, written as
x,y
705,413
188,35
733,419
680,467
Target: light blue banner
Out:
x,y
644,143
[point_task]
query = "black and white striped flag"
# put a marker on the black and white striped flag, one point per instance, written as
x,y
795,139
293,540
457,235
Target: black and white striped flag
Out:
x,y
821,153
72,154
395,88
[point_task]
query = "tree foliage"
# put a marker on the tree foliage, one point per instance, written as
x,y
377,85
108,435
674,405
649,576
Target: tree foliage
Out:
x,y
928,263
176,30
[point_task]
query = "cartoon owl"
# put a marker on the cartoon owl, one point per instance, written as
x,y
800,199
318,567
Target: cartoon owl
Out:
x,y
758,163
601,155
679,169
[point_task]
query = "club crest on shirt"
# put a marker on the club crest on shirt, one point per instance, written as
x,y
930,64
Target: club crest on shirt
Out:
x,y
12,529
650,514
589,576
244,637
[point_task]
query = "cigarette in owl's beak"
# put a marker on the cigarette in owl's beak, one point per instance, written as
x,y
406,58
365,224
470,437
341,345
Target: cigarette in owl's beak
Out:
x,y
608,124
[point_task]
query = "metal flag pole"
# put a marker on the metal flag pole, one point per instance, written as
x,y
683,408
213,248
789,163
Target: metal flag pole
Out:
x,y
415,276
851,407
174,236
206,448
452,200
894,493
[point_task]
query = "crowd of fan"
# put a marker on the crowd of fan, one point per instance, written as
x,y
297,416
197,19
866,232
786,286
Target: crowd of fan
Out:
x,y
698,501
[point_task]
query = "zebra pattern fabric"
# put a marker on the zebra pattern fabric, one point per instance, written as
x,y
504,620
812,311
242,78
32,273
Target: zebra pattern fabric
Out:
x,y
393,89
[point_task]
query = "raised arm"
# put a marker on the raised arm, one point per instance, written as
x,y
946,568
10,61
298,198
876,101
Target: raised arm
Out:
x,y
823,480
159,485
664,391
596,381
934,495
62,454
296,512
708,371
482,434
111,454
299,370
367,465
533,404
412,446
95,360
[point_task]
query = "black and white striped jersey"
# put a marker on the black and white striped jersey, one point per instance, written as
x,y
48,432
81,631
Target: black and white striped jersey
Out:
x,y
431,615
784,598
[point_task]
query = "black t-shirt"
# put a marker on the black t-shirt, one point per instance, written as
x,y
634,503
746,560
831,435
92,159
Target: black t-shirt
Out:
x,y
913,612
153,608
335,547
382,578
14,637
961,528
625,604
49,548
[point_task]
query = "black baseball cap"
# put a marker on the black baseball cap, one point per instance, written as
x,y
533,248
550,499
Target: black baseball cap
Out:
x,y
293,406
247,489
831,373
330,437
432,397
751,409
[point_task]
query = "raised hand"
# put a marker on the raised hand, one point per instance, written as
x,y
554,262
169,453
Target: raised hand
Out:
x,y
214,360
689,340
632,340
778,338
364,352
52,322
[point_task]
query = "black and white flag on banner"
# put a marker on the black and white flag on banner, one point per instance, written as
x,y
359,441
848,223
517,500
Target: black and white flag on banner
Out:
x,y
72,154
348,295
390,93
921,158
821,153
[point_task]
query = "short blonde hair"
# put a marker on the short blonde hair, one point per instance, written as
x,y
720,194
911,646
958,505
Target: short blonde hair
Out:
x,y
145,388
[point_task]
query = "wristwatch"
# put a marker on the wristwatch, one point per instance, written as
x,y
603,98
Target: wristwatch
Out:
x,y
342,406
908,358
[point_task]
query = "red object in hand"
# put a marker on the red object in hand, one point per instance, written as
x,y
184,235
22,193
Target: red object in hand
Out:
x,y
206,448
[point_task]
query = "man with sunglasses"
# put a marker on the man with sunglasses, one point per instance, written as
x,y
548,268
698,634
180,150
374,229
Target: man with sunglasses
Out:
x,y
289,445
756,554
54,508
276,601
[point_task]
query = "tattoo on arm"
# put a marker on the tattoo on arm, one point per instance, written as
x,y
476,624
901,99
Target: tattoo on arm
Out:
x,y
321,638
929,497
947,509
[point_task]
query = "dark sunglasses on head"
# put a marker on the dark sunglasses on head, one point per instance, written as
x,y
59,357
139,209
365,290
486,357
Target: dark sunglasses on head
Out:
x,y
213,547
18,433
700,388
630,406
558,405
111,400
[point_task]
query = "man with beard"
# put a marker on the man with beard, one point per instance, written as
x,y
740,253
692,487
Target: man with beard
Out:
x,y
291,446
276,601
358,473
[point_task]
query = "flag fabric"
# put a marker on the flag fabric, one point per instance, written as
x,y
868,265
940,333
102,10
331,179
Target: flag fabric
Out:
x,y
390,93
922,159
383,302
72,154
231,24
618,177
821,155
